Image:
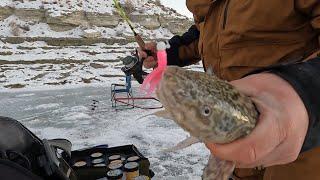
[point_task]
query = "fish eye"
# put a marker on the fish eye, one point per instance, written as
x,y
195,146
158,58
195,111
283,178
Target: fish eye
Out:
x,y
206,111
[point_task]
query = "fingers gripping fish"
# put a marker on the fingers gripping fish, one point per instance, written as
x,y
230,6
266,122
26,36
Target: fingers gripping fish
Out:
x,y
210,109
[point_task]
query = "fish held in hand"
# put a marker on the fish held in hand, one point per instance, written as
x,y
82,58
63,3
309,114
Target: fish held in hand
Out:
x,y
210,109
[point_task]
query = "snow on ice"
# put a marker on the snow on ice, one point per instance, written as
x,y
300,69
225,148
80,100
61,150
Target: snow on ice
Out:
x,y
66,113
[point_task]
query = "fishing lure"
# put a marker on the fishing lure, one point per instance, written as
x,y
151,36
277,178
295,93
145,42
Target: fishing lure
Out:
x,y
153,79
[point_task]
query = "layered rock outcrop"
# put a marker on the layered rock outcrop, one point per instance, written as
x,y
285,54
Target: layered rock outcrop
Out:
x,y
68,21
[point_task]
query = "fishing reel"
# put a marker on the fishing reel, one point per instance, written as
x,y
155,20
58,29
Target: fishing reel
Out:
x,y
133,66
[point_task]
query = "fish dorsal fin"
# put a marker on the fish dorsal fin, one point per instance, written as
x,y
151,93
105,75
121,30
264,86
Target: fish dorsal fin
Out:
x,y
183,144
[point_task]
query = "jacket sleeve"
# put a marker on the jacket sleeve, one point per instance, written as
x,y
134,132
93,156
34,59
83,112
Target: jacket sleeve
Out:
x,y
305,79
183,49
310,8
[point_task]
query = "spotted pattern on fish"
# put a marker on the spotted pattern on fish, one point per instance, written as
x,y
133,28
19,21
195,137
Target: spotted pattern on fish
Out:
x,y
210,109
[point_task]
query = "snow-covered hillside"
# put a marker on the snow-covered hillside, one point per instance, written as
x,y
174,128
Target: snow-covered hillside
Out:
x,y
71,42
36,17
61,7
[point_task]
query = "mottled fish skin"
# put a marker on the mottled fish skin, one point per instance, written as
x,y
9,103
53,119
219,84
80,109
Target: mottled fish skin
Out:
x,y
208,108
218,169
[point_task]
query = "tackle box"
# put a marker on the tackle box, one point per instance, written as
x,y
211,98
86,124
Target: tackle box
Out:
x,y
86,169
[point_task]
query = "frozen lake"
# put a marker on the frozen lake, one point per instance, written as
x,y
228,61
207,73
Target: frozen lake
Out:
x,y
67,113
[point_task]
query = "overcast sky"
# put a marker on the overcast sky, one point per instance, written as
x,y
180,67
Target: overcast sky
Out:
x,y
179,5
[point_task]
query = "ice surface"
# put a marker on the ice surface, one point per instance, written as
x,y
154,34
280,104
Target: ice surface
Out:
x,y
47,106
67,113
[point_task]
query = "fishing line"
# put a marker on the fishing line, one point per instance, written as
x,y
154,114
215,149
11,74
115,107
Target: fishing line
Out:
x,y
123,14
137,37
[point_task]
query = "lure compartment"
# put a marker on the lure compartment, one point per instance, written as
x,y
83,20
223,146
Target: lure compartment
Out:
x,y
90,172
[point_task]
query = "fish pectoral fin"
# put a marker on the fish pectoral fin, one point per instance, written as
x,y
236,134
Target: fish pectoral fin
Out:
x,y
183,144
163,114
218,169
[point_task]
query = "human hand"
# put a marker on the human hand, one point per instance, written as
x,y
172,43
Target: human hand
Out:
x,y
149,61
281,129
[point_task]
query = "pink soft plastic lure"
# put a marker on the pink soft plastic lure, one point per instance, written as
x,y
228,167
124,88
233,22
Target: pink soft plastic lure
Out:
x,y
153,79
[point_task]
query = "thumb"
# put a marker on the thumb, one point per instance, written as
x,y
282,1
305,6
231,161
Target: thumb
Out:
x,y
247,85
151,46
261,141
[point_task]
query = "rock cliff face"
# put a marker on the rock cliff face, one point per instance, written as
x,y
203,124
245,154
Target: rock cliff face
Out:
x,y
71,18
60,42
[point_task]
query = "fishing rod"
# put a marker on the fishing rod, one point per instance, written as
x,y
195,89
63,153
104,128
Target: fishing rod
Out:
x,y
137,37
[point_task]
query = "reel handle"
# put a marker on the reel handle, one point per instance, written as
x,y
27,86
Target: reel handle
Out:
x,y
142,44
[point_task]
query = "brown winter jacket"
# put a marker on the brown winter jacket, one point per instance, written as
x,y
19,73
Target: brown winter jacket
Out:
x,y
236,37
239,36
